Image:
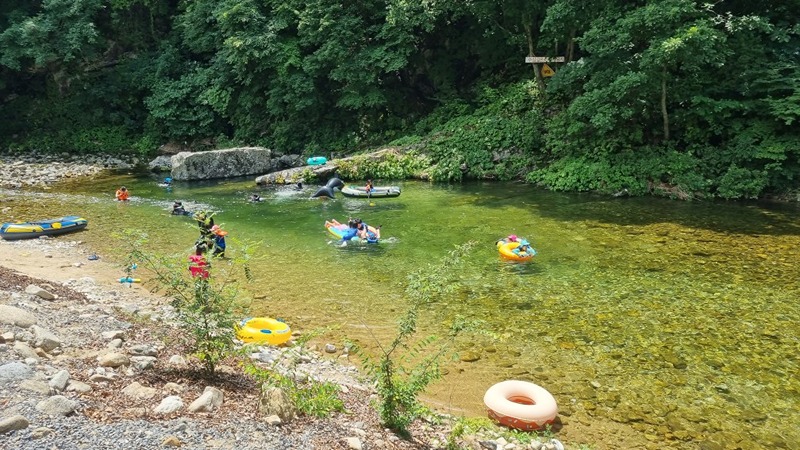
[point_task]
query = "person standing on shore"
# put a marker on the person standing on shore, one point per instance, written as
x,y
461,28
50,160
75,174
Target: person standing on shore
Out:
x,y
198,266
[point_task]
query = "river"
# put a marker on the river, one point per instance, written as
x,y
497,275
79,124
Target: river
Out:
x,y
676,323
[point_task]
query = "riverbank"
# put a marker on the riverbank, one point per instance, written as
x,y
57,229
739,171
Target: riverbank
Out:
x,y
93,364
43,169
87,361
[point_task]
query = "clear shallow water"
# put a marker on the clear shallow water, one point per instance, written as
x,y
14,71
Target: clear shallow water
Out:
x,y
677,320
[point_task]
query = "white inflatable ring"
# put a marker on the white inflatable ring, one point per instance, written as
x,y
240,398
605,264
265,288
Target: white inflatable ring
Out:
x,y
521,405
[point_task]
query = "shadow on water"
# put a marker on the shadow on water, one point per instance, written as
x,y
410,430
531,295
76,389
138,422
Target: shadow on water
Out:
x,y
725,216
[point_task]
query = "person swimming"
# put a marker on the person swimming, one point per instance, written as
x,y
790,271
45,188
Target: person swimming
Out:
x,y
178,209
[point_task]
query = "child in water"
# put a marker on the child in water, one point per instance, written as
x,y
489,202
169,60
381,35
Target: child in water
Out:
x,y
524,249
122,194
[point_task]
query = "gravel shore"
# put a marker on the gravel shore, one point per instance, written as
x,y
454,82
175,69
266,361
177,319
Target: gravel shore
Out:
x,y
61,388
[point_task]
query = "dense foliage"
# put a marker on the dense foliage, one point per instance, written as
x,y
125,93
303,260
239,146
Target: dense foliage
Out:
x,y
679,97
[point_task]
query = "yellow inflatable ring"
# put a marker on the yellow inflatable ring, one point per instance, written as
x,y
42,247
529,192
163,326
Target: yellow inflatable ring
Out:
x,y
506,249
263,329
521,405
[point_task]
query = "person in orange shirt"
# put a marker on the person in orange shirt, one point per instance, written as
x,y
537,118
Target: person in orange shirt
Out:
x,y
122,194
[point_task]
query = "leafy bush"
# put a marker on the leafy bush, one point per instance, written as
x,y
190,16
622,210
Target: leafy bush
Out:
x,y
392,166
739,182
639,171
207,307
318,399
507,127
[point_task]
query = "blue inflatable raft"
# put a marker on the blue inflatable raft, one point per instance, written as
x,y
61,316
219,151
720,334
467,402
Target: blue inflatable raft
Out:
x,y
316,160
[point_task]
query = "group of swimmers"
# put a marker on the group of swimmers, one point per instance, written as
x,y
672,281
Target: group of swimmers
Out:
x,y
358,228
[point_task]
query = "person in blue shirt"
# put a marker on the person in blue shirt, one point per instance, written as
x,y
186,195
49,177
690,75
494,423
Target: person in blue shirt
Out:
x,y
218,241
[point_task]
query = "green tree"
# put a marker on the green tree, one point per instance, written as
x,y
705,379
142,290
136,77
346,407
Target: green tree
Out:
x,y
658,101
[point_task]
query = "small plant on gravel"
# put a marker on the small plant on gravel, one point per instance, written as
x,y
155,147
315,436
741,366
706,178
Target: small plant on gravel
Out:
x,y
207,308
402,370
466,426
318,399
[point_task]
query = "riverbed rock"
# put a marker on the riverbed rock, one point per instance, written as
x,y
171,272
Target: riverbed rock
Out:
x,y
297,174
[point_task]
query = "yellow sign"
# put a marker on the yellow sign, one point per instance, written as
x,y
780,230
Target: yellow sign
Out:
x,y
547,71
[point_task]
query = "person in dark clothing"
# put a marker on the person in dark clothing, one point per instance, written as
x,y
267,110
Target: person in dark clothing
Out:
x,y
178,209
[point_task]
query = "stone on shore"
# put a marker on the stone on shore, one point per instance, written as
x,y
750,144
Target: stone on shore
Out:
x,y
114,360
57,405
39,292
13,423
210,400
45,339
169,405
275,401
59,381
15,316
14,371
136,390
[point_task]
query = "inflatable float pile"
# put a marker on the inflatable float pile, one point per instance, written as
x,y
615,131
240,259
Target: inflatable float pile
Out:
x,y
263,329
317,161
520,405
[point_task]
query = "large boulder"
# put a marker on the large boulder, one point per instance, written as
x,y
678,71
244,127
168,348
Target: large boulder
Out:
x,y
232,162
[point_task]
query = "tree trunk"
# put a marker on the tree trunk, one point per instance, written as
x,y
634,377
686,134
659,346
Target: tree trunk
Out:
x,y
536,71
571,45
664,113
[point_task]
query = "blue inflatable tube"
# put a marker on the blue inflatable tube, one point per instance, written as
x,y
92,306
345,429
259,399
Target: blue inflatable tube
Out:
x,y
316,160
